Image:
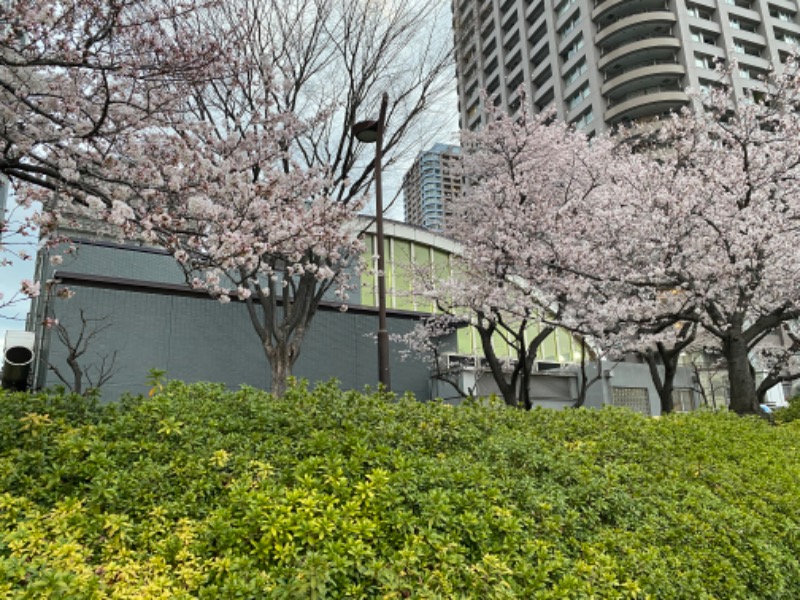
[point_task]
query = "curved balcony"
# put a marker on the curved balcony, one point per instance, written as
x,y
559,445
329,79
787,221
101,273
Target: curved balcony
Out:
x,y
643,49
642,25
647,104
612,10
642,77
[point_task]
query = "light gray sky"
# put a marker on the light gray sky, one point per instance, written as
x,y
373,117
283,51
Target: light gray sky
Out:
x,y
12,317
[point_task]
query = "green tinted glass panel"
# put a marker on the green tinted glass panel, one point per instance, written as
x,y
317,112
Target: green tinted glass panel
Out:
x,y
465,344
500,346
389,270
565,352
422,255
422,261
402,253
577,351
368,297
547,351
441,264
403,275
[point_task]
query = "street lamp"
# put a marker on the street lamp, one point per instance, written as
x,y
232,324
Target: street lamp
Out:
x,y
371,132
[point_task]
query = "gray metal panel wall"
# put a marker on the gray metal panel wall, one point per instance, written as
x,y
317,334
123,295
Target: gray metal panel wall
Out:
x,y
198,339
125,262
144,264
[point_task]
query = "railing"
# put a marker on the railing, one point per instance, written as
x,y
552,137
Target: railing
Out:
x,y
656,89
609,75
665,34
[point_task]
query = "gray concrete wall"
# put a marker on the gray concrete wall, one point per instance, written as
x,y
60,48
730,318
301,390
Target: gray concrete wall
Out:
x,y
628,375
199,339
138,264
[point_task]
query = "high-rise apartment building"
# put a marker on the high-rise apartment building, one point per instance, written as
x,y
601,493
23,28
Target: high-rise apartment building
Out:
x,y
430,185
606,62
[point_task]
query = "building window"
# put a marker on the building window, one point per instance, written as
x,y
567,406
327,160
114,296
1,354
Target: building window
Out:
x,y
744,25
781,15
682,400
703,37
751,73
570,25
704,61
636,399
575,72
573,49
564,7
743,48
698,12
584,120
575,99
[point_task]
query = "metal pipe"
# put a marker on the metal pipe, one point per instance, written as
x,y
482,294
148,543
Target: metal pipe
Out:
x,y
17,362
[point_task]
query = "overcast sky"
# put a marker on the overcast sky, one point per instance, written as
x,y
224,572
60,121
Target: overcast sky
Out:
x,y
13,316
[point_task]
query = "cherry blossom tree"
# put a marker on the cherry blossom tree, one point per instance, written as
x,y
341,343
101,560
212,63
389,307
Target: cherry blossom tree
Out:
x,y
700,227
276,226
245,226
77,77
524,174
219,130
732,178
546,243
688,236
428,339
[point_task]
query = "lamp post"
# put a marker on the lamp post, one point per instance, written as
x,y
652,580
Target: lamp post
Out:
x,y
370,132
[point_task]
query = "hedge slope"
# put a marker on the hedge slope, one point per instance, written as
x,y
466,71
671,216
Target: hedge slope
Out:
x,y
203,493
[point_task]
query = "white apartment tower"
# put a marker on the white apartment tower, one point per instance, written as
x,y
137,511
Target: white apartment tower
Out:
x,y
606,62
430,185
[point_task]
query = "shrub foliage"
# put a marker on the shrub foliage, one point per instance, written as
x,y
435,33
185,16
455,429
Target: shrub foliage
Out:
x,y
789,413
199,492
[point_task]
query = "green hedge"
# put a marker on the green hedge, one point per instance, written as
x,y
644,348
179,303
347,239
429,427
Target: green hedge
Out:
x,y
199,492
790,413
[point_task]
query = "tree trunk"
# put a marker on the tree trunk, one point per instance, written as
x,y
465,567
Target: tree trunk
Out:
x,y
281,369
585,384
664,386
741,377
525,377
285,324
507,388
77,374
670,357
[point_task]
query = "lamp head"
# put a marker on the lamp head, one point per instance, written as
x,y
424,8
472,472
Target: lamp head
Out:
x,y
366,131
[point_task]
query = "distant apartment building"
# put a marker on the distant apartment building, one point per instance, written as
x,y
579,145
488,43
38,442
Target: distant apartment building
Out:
x,y
603,63
430,185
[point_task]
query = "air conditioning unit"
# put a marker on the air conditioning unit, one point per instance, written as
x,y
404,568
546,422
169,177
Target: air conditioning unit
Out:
x,y
457,362
547,365
509,365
